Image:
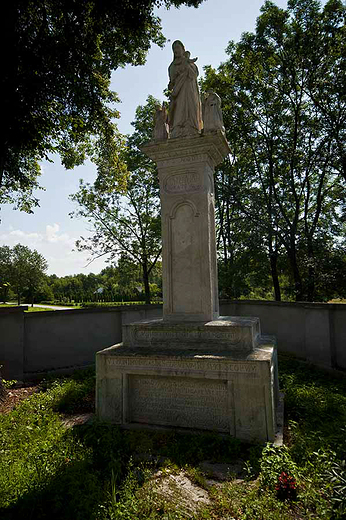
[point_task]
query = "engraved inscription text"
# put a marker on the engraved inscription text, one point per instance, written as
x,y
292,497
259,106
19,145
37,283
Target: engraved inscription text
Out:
x,y
178,364
181,402
183,183
231,337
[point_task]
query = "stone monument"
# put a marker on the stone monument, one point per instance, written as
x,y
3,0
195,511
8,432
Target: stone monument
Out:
x,y
193,368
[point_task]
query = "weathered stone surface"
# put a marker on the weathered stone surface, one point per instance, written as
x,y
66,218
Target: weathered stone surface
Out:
x,y
212,113
192,369
186,168
227,332
230,392
184,497
219,471
185,117
161,126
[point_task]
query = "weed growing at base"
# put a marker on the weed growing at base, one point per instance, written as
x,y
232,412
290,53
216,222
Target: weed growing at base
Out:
x,y
93,471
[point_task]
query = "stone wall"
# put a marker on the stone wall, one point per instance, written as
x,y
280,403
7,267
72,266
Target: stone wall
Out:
x,y
315,332
12,342
61,340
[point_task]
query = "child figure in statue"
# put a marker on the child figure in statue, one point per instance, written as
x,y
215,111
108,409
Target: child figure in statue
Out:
x,y
212,114
160,123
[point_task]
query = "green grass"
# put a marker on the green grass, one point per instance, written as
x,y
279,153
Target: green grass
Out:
x,y
92,471
30,309
36,309
69,305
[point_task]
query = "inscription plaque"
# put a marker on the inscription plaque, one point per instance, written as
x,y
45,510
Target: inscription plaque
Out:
x,y
201,363
195,335
183,183
180,402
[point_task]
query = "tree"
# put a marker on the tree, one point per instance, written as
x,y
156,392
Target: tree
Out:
x,y
57,61
35,273
5,271
27,271
286,176
126,224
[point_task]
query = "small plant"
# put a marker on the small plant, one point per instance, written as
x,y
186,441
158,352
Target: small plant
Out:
x,y
276,461
286,488
9,383
336,477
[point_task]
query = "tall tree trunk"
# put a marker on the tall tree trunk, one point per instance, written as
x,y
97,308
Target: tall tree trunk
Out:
x,y
275,277
2,166
311,282
298,286
273,258
4,294
311,272
146,282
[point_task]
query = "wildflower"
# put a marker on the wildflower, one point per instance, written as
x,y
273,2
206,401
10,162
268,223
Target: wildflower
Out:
x,y
286,487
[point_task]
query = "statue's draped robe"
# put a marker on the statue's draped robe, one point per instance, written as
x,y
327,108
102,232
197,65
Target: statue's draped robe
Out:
x,y
185,116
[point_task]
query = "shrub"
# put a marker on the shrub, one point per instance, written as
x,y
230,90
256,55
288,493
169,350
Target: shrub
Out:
x,y
275,461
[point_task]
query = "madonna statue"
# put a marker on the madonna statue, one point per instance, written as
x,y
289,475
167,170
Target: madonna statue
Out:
x,y
185,118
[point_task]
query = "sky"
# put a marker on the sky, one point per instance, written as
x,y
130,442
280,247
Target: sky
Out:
x,y
205,32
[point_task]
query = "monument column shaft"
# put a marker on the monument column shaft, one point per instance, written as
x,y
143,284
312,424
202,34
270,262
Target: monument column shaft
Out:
x,y
190,291
186,173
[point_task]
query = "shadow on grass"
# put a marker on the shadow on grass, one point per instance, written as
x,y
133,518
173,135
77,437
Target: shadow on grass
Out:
x,y
78,484
315,407
79,487
73,493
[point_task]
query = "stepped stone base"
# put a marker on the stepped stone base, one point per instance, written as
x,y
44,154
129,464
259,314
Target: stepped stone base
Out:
x,y
185,376
225,333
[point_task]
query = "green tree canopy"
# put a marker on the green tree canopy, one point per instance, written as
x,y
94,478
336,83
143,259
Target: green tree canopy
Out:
x,y
284,98
5,271
129,224
57,60
23,268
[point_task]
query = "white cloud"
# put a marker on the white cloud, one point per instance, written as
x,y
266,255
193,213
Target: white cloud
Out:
x,y
52,236
15,236
51,232
56,247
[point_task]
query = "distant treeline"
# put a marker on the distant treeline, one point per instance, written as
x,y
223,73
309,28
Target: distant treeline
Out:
x,y
122,282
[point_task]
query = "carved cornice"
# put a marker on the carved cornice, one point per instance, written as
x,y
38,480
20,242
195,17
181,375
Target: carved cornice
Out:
x,y
211,147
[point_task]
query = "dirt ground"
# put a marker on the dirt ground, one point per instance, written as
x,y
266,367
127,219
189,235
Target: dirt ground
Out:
x,y
13,396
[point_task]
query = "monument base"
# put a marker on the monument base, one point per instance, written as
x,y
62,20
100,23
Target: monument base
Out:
x,y
232,391
224,333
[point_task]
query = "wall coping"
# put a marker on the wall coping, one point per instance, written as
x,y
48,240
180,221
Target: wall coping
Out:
x,y
117,308
305,305
16,309
130,308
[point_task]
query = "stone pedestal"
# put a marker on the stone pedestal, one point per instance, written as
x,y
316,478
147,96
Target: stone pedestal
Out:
x,y
192,369
187,387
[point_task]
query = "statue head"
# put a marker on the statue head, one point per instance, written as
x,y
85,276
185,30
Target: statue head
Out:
x,y
178,49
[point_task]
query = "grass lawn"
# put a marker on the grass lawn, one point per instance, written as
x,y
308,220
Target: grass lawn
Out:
x,y
37,309
30,309
94,471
